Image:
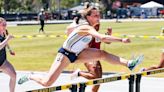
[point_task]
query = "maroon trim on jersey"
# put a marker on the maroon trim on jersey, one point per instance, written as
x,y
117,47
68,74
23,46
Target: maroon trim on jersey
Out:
x,y
94,44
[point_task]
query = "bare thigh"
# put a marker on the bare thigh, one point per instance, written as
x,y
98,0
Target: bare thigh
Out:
x,y
8,68
89,55
57,67
162,61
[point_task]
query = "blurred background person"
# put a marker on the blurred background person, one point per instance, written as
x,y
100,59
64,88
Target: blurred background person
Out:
x,y
41,18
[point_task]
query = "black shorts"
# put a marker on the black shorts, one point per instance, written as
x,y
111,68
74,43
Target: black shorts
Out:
x,y
72,56
2,60
2,57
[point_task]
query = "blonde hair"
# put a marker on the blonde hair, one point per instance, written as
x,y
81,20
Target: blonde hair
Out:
x,y
87,10
2,20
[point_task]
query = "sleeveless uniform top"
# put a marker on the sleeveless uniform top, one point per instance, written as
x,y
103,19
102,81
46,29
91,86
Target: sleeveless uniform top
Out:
x,y
76,43
95,43
2,52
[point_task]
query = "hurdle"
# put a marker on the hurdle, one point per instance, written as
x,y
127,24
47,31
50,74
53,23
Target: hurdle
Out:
x,y
133,78
145,73
82,85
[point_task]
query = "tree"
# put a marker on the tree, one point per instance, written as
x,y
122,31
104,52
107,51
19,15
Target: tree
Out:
x,y
107,4
26,6
68,3
1,5
10,5
35,5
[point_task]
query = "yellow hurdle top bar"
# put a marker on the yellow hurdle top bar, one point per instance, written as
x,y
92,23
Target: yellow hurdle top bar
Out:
x,y
151,72
99,81
89,82
64,36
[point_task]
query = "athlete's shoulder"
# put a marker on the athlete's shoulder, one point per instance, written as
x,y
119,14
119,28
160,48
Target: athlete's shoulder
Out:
x,y
84,28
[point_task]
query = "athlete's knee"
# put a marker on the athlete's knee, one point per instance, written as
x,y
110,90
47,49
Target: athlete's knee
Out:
x,y
13,75
97,73
97,76
47,83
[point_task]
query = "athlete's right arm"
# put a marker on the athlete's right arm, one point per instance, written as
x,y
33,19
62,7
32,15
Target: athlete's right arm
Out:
x,y
4,43
107,38
86,29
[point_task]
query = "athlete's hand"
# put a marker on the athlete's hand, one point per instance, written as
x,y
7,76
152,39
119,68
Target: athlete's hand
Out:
x,y
12,53
109,32
126,40
10,37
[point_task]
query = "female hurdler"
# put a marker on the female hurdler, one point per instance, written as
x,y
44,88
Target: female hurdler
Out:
x,y
75,49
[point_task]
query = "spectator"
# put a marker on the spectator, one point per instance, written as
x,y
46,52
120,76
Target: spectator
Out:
x,y
41,18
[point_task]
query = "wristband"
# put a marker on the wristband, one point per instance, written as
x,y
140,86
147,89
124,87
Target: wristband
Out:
x,y
121,40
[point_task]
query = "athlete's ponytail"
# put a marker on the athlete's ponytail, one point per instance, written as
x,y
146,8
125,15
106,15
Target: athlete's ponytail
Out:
x,y
77,18
85,12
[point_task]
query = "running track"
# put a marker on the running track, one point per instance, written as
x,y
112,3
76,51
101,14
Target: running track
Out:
x,y
148,84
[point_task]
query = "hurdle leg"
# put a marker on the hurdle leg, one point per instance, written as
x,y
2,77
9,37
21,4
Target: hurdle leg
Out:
x,y
82,87
138,81
73,88
131,83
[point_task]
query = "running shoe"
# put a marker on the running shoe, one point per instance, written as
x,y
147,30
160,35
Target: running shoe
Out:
x,y
23,79
75,75
133,63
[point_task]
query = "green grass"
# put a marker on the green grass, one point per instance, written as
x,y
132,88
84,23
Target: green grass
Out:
x,y
37,54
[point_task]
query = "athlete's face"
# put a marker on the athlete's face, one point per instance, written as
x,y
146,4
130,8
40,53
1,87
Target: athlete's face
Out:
x,y
94,18
2,27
